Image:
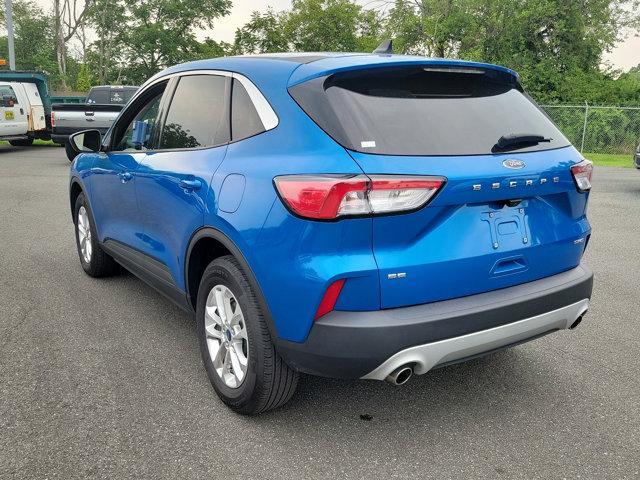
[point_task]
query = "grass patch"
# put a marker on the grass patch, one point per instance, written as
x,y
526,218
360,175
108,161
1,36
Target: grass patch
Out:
x,y
36,143
610,160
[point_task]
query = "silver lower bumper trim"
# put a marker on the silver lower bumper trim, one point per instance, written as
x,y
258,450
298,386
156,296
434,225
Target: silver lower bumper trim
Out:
x,y
425,357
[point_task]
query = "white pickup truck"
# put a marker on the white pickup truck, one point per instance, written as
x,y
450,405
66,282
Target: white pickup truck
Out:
x,y
22,113
102,106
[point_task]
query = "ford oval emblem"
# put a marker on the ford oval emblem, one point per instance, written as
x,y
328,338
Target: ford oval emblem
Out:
x,y
513,163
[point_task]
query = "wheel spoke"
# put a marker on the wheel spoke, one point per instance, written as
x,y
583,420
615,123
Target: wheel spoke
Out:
x,y
210,313
228,311
220,305
237,348
219,359
236,318
238,371
213,332
240,333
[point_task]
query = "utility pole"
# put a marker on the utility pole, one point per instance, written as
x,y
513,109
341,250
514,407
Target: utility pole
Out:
x,y
12,52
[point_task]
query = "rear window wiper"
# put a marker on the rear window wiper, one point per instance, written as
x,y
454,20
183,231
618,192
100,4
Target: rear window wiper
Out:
x,y
519,140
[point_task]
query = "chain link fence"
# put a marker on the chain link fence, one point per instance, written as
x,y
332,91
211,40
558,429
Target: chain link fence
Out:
x,y
597,129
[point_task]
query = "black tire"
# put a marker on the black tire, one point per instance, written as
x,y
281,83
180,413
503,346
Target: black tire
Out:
x,y
269,382
27,142
100,263
71,153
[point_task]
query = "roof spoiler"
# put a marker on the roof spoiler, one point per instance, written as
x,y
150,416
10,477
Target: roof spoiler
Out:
x,y
385,48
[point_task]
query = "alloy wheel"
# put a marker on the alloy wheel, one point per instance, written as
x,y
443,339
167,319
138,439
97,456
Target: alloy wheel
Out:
x,y
226,333
84,234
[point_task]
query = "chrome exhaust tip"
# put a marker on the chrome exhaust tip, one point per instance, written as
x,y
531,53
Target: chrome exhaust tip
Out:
x,y
400,375
578,320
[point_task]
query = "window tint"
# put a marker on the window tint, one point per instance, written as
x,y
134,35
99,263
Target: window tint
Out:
x,y
147,114
245,121
198,115
8,95
98,95
424,111
120,96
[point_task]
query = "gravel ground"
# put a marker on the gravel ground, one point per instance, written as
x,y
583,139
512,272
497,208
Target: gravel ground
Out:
x,y
102,378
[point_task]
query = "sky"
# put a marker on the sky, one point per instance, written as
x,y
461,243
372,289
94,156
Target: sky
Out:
x,y
623,57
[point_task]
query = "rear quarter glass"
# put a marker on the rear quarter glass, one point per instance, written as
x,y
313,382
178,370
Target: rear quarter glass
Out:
x,y
424,111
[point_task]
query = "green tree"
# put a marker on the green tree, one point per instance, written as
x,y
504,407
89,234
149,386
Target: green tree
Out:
x,y
311,25
551,43
160,33
105,56
34,39
83,80
212,49
330,25
265,32
137,38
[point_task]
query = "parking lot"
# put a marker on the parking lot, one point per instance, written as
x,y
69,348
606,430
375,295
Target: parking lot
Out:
x,y
102,378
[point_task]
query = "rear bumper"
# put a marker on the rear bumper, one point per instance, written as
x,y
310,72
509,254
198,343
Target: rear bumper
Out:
x,y
371,344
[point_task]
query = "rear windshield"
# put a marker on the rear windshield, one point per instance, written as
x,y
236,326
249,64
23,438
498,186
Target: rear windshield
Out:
x,y
111,95
424,111
121,95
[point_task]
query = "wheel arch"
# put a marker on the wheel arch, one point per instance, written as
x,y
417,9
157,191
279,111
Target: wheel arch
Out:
x,y
206,245
75,189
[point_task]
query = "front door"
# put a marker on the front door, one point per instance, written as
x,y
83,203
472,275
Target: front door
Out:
x,y
172,181
113,179
13,112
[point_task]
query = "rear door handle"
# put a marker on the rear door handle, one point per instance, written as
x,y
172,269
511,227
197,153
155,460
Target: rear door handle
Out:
x,y
190,184
125,176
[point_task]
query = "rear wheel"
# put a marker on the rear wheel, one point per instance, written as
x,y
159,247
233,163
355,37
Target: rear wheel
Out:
x,y
236,347
95,261
27,142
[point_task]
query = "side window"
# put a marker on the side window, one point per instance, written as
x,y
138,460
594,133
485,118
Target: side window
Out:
x,y
198,115
147,114
8,95
245,121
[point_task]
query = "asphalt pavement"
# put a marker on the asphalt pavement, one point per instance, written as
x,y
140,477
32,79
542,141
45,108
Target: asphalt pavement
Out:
x,y
103,379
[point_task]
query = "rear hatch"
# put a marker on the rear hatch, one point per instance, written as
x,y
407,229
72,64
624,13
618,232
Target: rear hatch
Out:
x,y
506,214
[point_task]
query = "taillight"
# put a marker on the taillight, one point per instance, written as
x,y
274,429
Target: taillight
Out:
x,y
326,197
582,175
53,120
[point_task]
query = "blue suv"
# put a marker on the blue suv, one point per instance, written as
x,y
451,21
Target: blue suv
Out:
x,y
347,215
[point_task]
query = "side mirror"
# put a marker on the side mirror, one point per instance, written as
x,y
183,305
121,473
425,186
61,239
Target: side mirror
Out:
x,y
139,137
86,141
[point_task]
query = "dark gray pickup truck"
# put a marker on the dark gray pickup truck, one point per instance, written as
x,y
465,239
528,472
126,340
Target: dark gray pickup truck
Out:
x,y
101,108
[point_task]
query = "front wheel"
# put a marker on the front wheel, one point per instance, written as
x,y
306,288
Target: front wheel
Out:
x,y
238,354
95,261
